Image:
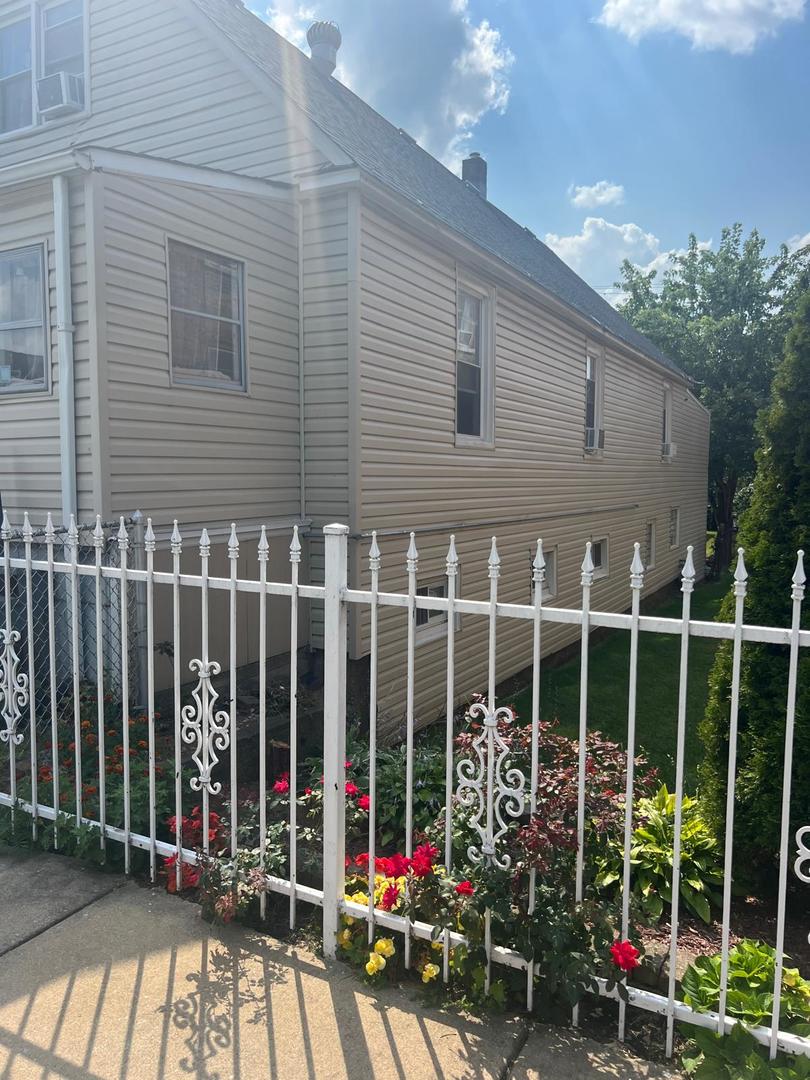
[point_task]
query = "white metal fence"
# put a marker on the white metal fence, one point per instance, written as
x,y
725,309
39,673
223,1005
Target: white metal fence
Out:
x,y
486,784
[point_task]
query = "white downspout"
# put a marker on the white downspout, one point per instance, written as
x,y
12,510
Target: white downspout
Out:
x,y
64,338
301,371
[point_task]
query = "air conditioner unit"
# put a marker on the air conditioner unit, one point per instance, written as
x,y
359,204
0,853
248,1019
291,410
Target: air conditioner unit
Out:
x,y
668,450
59,95
594,439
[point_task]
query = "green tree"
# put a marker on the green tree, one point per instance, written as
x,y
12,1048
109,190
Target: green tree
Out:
x,y
775,525
722,314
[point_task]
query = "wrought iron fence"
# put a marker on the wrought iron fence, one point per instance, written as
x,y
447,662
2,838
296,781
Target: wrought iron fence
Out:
x,y
485,783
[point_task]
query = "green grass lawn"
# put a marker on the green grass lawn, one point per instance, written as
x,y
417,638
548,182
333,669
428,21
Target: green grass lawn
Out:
x,y
658,674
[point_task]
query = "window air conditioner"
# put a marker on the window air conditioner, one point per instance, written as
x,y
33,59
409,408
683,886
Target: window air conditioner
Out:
x,y
60,95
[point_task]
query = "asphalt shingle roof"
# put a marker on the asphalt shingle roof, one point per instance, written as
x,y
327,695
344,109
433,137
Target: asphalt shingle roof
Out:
x,y
393,158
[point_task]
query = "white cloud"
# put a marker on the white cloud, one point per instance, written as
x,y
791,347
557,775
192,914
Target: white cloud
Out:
x,y
429,66
734,25
602,193
798,241
597,252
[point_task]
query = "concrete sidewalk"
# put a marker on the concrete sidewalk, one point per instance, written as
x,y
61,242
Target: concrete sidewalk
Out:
x,y
102,978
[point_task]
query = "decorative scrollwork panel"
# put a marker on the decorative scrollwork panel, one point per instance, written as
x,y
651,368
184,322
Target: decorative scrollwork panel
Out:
x,y
203,728
13,689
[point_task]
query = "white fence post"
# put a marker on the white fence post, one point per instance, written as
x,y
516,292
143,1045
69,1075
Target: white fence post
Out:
x,y
334,730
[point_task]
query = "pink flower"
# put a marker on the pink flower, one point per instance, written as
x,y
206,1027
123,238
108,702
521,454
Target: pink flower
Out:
x,y
347,764
364,803
282,785
351,788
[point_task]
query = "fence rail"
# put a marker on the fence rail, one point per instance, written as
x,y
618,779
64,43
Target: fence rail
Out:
x,y
201,737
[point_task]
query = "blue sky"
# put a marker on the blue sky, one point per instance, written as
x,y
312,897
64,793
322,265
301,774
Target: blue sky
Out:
x,y
612,128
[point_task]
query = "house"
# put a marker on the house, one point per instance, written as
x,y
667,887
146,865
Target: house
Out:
x,y
231,291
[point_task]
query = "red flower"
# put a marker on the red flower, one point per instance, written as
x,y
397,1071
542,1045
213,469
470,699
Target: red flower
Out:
x,y
465,888
307,790
351,788
423,859
361,861
364,803
347,764
282,785
395,866
389,898
624,955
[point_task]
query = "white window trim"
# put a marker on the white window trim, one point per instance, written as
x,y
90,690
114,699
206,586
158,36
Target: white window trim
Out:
x,y
597,355
46,390
549,593
677,511
604,571
653,544
209,384
436,630
35,9
488,296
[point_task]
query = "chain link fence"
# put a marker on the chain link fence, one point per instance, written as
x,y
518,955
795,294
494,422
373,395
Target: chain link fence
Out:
x,y
38,647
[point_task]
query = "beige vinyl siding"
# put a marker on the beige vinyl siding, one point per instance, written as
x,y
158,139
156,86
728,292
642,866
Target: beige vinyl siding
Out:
x,y
326,374
160,85
414,476
193,453
29,423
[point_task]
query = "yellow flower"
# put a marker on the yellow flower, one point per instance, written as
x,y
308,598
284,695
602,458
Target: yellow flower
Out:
x,y
345,938
437,945
384,947
429,971
360,898
375,963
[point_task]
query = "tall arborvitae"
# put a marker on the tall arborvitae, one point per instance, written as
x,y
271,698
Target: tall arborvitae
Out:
x,y
776,524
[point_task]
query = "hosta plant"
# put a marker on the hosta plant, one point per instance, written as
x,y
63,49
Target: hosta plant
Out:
x,y
651,857
738,1056
751,969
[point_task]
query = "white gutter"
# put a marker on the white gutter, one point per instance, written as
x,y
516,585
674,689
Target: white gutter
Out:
x,y
64,337
301,373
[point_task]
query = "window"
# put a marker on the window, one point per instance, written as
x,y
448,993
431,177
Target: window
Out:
x,y
550,583
431,624
16,86
22,321
32,48
207,318
599,555
594,434
674,527
667,450
474,364
648,551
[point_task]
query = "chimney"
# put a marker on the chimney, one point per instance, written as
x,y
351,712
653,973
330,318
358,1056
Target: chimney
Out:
x,y
474,171
324,41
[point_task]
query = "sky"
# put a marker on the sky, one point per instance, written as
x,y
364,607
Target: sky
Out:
x,y
612,128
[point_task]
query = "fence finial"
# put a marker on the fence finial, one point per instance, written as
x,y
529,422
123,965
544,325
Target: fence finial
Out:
x,y
688,572
72,533
98,534
264,547
149,541
205,544
494,561
539,564
374,554
587,566
740,574
412,557
177,540
28,532
452,558
5,528
233,543
50,532
636,568
295,546
799,578
123,537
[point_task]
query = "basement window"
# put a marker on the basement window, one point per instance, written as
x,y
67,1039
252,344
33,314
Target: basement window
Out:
x,y
599,555
22,321
206,300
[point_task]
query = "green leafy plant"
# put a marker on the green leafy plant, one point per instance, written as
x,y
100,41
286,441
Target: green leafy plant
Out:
x,y
751,972
738,1056
651,857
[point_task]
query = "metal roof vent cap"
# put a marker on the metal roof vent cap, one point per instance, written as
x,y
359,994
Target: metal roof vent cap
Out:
x,y
324,41
474,172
